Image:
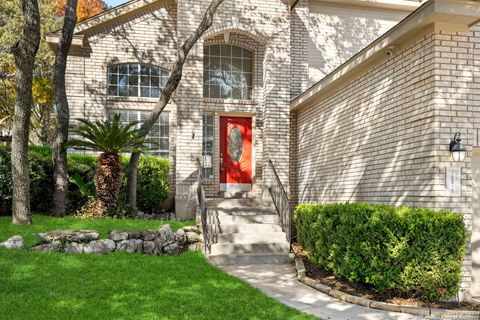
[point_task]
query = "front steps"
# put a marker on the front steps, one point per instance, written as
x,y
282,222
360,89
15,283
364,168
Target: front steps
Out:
x,y
246,231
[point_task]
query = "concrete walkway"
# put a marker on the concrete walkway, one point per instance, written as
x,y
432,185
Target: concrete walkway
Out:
x,y
280,283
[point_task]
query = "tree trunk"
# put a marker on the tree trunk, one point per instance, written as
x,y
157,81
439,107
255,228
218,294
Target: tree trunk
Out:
x,y
170,87
24,52
59,150
108,180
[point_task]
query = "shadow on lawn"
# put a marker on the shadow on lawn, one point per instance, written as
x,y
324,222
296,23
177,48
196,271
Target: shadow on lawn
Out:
x,y
127,286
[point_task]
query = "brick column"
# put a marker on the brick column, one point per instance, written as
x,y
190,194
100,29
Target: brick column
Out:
x,y
189,113
276,109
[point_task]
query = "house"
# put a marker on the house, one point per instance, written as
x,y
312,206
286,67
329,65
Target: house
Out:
x,y
349,100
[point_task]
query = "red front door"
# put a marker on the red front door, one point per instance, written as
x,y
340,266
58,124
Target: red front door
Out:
x,y
235,153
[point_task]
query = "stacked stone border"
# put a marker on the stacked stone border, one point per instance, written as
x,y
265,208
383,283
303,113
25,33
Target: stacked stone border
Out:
x,y
364,302
151,242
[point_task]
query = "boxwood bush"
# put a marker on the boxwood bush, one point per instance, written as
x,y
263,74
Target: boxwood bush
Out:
x,y
152,180
411,251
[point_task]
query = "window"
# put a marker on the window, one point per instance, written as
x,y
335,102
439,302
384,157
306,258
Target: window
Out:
x,y
159,134
136,80
227,72
207,146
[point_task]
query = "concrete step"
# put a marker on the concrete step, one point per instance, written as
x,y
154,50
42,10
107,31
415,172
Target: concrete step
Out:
x,y
241,211
240,194
245,259
247,228
270,237
242,219
235,203
248,248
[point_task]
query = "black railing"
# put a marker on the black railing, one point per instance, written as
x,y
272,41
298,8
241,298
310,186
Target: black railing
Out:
x,y
202,204
281,201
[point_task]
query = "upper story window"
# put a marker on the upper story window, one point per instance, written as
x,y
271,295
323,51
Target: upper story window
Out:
x,y
228,72
159,134
136,80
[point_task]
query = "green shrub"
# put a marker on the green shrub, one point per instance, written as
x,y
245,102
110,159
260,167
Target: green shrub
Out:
x,y
41,181
152,180
411,251
152,183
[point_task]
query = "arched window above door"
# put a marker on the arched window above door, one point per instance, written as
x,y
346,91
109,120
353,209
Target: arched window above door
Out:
x,y
228,72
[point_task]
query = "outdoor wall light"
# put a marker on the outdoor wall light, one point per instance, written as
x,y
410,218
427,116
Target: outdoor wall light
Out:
x,y
457,149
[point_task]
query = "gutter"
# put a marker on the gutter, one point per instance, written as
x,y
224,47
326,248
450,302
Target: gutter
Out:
x,y
406,5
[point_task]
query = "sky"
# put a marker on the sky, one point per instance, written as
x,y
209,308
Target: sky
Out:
x,y
114,3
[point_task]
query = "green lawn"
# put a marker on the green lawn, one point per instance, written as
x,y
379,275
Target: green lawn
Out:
x,y
37,285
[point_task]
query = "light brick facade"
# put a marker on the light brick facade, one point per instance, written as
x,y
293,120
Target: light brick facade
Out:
x,y
376,133
382,134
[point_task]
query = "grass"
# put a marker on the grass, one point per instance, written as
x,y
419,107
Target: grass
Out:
x,y
47,223
39,285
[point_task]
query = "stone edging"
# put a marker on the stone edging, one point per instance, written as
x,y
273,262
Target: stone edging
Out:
x,y
419,311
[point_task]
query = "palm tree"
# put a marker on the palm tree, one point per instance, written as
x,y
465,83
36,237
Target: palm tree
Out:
x,y
111,138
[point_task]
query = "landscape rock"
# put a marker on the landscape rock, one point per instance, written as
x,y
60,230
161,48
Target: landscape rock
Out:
x,y
181,236
150,235
69,236
99,246
15,242
134,234
194,246
131,245
118,236
149,247
173,249
166,234
74,247
159,244
52,247
191,229
193,237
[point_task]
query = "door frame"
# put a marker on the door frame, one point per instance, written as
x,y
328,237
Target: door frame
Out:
x,y
235,187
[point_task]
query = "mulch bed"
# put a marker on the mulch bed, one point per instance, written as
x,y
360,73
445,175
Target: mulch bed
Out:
x,y
362,290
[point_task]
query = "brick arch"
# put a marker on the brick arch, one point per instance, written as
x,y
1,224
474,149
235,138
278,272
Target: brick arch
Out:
x,y
220,29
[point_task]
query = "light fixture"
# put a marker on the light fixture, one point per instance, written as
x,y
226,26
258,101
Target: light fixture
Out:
x,y
457,149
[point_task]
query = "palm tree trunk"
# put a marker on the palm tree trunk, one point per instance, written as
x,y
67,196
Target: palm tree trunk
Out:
x,y
59,150
108,179
24,52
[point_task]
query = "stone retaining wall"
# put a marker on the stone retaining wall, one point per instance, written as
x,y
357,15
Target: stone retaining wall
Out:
x,y
152,242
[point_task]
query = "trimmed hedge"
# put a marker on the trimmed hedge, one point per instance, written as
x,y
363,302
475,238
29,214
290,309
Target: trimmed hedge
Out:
x,y
411,251
152,180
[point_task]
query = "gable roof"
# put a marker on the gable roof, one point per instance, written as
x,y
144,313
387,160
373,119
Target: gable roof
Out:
x,y
107,16
114,13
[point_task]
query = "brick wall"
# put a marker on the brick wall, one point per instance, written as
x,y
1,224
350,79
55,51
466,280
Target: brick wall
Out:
x,y
383,136
263,27
146,35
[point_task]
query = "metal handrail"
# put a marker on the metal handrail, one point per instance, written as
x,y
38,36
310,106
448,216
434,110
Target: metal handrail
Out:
x,y
202,204
281,202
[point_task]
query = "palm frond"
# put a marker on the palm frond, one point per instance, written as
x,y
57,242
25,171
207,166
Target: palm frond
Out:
x,y
108,136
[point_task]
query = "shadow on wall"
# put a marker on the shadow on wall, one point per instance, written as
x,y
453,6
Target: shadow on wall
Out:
x,y
367,142
335,39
